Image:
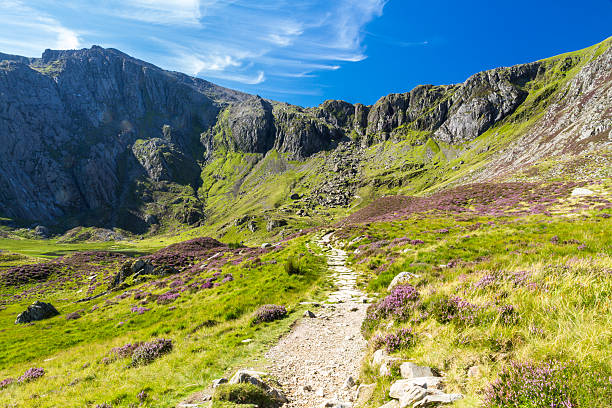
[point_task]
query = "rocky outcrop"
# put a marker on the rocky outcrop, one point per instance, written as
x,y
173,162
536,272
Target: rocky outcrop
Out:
x,y
36,311
106,131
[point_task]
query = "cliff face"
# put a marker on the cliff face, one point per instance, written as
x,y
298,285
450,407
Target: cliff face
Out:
x,y
80,129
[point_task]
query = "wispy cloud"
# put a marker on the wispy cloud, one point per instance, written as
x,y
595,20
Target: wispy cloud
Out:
x,y
28,31
237,41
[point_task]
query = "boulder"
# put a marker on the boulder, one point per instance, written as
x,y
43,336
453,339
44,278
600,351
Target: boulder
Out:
x,y
254,377
266,245
41,231
401,278
391,404
412,396
411,370
36,311
219,381
433,400
377,357
295,196
579,191
385,365
273,224
364,393
401,386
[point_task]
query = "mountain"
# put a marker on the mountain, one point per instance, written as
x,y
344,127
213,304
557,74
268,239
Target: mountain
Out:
x,y
95,137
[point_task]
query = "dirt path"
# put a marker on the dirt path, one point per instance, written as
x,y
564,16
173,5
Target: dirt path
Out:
x,y
314,361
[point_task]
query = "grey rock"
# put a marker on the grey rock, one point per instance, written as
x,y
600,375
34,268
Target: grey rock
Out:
x,y
411,370
391,404
266,245
273,224
219,381
401,278
349,383
378,356
309,314
412,396
254,377
401,386
434,400
41,231
385,365
335,404
364,393
36,311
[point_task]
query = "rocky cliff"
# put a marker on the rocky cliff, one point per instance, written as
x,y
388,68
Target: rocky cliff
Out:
x,y
90,135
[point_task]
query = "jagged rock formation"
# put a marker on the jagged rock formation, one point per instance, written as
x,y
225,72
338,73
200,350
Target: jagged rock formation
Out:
x,y
36,311
97,137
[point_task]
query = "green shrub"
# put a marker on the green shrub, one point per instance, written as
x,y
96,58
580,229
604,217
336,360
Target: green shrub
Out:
x,y
292,267
244,394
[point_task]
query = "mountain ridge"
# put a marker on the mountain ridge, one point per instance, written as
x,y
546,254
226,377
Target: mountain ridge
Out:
x,y
103,126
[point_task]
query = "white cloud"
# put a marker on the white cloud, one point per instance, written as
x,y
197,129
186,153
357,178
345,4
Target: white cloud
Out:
x,y
241,41
27,31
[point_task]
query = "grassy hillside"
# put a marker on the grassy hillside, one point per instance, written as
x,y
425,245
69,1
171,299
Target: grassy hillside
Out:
x,y
206,311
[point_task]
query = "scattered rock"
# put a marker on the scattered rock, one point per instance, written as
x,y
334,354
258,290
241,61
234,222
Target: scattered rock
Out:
x,y
364,393
295,196
252,226
36,311
320,392
349,383
411,370
579,191
411,396
41,231
391,404
335,404
377,357
273,224
309,314
474,371
385,366
434,400
266,245
401,386
254,377
219,381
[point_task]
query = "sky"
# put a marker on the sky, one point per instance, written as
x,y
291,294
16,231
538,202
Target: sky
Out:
x,y
305,52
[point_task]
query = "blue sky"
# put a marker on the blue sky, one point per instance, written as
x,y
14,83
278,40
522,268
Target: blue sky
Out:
x,y
304,52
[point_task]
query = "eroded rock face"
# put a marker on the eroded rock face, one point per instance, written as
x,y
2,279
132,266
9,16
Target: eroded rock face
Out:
x,y
36,311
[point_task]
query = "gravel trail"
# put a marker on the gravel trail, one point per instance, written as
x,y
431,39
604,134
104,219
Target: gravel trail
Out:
x,y
314,361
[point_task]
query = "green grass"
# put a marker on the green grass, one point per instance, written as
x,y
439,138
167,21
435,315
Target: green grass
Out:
x,y
563,309
207,328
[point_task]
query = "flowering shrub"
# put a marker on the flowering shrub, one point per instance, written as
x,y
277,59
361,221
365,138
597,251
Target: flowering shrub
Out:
x,y
31,374
6,382
147,352
392,342
139,310
269,313
73,316
167,297
508,315
125,350
142,396
455,309
550,384
398,303
228,278
486,280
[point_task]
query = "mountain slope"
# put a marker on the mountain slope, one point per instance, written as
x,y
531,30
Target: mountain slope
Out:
x,y
95,137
